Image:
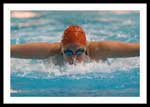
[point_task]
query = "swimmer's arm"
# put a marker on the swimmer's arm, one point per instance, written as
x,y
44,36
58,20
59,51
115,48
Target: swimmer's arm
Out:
x,y
113,49
37,50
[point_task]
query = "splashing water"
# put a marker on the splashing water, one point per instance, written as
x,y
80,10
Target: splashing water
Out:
x,y
29,68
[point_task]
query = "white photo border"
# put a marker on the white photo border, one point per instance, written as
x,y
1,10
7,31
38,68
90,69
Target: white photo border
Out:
x,y
72,100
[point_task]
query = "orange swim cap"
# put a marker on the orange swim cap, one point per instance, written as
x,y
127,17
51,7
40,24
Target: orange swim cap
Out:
x,y
74,34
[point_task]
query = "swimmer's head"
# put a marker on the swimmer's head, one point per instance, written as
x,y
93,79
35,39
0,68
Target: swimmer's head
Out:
x,y
74,44
74,34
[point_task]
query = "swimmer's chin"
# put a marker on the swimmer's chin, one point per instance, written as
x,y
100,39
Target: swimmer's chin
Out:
x,y
74,63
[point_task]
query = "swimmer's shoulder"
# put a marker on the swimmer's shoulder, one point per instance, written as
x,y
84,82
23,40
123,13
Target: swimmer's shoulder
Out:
x,y
91,46
95,50
54,48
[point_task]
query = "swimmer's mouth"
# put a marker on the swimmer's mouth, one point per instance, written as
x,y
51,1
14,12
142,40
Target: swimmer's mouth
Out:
x,y
74,61
71,63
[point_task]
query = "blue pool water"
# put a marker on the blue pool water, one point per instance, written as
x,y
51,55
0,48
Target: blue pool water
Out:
x,y
115,77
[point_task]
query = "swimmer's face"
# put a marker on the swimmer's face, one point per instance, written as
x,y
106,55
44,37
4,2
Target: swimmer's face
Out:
x,y
73,53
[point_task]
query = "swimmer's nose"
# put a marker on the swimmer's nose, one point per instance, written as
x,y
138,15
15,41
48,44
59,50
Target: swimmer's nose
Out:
x,y
74,57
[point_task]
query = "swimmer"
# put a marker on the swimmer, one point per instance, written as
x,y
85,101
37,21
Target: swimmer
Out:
x,y
74,48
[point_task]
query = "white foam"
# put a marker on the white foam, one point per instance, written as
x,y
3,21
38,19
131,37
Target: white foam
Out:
x,y
31,68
